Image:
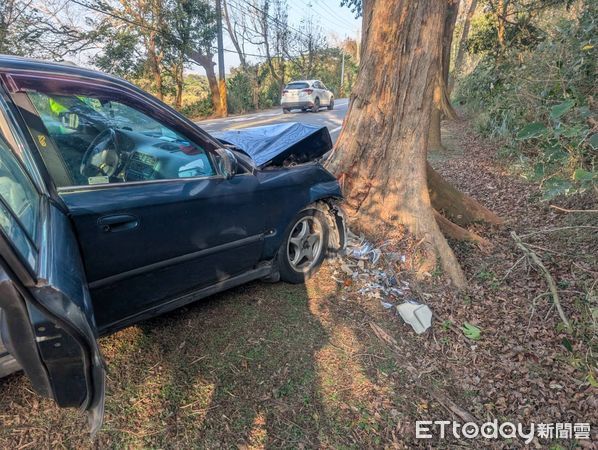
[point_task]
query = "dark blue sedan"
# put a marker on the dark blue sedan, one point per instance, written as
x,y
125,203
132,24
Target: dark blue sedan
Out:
x,y
115,208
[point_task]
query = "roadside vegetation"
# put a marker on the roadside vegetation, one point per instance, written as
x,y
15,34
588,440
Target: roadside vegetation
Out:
x,y
158,45
537,95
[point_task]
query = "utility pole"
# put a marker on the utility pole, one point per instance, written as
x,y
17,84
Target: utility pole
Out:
x,y
221,79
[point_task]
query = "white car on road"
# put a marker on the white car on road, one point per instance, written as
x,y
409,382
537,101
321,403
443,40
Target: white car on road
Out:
x,y
306,94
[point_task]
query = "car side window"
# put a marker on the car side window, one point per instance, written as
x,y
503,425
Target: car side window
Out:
x,y
19,204
102,140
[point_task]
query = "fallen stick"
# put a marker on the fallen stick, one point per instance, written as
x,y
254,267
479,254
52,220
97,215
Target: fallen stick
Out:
x,y
551,230
558,208
551,284
446,402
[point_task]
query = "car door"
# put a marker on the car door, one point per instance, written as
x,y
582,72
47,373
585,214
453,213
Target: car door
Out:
x,y
147,239
47,321
320,93
326,94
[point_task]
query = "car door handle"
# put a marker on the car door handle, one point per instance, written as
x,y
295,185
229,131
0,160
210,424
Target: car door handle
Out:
x,y
119,222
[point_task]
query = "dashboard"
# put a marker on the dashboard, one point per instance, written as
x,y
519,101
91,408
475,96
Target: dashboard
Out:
x,y
148,156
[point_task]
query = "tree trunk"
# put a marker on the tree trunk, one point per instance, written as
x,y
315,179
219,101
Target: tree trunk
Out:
x,y
501,13
233,36
441,100
214,90
206,61
435,138
381,154
154,63
447,37
462,43
179,83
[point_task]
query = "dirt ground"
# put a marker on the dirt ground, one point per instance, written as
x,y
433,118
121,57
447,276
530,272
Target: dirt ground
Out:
x,y
284,366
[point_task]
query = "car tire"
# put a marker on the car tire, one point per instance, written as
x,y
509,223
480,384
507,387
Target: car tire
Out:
x,y
331,105
316,106
307,234
286,110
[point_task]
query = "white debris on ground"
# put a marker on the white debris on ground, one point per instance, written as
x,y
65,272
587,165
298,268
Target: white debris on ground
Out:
x,y
370,271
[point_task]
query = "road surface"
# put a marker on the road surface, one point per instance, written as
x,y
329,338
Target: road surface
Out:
x,y
332,119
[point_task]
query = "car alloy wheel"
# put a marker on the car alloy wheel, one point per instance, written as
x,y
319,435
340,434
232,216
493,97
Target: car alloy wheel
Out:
x,y
305,244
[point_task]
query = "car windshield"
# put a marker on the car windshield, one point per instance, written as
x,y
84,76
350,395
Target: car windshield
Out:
x,y
297,85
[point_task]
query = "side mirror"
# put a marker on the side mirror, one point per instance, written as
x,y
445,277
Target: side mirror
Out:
x,y
227,162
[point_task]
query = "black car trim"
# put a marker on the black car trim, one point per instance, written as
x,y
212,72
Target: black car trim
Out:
x,y
176,302
17,328
97,187
171,261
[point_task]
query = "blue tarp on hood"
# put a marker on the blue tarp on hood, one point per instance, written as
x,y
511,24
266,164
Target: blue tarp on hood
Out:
x,y
272,144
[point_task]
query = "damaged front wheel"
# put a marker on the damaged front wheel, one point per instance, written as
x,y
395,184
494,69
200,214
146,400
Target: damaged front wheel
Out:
x,y
304,247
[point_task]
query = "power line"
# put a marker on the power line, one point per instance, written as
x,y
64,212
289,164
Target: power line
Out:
x,y
336,18
277,22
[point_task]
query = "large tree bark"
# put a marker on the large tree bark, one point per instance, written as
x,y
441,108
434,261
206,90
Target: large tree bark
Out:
x,y
381,154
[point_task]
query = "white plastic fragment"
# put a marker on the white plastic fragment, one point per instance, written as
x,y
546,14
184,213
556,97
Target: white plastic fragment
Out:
x,y
417,315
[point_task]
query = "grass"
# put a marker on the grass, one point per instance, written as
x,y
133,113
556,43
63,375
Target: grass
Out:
x,y
265,365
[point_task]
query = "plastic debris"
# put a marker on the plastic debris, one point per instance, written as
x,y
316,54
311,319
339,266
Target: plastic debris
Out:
x,y
417,315
359,248
364,271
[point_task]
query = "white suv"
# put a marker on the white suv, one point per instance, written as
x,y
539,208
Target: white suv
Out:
x,y
306,94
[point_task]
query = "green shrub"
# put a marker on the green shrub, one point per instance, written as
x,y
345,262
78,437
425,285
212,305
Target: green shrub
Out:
x,y
198,109
540,101
239,95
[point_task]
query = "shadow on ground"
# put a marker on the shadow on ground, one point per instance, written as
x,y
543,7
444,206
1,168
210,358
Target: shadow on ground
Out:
x,y
264,365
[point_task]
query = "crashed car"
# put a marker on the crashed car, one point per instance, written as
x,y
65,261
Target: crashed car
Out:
x,y
114,208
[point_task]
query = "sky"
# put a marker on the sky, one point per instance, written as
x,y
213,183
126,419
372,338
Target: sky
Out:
x,y
337,24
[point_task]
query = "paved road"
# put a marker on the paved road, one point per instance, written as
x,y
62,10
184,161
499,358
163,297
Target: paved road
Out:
x,y
332,119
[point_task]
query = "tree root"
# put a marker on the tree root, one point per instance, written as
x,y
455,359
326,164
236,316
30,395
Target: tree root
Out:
x,y
551,284
454,231
457,206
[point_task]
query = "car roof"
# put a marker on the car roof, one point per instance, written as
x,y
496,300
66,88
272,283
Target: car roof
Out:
x,y
9,62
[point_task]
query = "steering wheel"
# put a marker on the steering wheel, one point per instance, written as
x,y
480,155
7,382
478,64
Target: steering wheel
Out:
x,y
102,156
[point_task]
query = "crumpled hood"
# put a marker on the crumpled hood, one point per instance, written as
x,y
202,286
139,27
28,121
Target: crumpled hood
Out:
x,y
273,144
